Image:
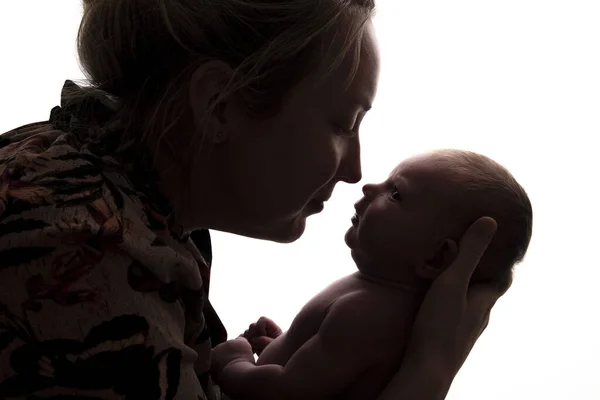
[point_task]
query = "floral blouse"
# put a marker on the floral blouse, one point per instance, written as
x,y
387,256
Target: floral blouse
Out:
x,y
101,297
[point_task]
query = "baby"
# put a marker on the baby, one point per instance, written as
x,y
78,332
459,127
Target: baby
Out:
x,y
348,341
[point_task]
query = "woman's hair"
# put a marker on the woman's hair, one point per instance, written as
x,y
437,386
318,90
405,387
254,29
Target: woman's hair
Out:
x,y
142,52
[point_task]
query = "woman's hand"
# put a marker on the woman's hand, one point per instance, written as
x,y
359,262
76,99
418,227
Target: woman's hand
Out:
x,y
261,333
450,320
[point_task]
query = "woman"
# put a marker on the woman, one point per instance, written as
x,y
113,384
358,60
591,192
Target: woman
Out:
x,y
234,115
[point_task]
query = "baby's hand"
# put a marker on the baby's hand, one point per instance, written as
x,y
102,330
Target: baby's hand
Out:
x,y
261,333
230,351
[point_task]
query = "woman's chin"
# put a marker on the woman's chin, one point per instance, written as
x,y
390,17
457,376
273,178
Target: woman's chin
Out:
x,y
283,231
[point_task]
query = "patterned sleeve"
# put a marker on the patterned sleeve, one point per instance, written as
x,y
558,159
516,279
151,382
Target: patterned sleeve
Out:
x,y
79,316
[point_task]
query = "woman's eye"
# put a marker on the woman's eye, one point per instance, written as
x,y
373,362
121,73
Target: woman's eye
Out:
x,y
395,195
344,131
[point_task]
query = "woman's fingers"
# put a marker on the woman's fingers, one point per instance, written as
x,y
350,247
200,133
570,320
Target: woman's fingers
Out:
x,y
453,314
472,247
480,300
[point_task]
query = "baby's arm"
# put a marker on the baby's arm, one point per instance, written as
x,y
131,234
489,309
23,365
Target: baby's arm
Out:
x,y
343,349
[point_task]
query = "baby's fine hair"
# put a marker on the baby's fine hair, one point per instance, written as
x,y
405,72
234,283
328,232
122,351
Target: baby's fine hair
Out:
x,y
491,190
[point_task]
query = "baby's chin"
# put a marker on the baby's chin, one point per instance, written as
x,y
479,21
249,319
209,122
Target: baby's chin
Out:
x,y
360,257
351,237
379,265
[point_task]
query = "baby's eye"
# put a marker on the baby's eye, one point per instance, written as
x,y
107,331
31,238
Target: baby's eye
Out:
x,y
395,195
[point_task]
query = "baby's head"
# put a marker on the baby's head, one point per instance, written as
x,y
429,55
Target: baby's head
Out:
x,y
408,228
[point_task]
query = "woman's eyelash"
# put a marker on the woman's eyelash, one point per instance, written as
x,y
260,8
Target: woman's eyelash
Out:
x,y
344,131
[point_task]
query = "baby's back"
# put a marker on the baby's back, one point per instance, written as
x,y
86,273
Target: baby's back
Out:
x,y
387,311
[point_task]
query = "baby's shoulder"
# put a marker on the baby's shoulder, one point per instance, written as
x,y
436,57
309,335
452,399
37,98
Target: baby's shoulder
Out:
x,y
365,322
381,316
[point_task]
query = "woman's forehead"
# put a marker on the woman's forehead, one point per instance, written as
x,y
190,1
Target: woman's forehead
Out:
x,y
355,80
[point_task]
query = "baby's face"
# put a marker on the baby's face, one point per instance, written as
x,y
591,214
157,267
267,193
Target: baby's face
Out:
x,y
399,223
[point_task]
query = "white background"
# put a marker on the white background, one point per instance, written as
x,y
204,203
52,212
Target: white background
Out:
x,y
516,80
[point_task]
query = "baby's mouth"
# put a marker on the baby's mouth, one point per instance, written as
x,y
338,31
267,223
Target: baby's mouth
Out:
x,y
355,220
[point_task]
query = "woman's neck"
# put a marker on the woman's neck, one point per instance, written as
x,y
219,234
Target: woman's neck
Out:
x,y
193,189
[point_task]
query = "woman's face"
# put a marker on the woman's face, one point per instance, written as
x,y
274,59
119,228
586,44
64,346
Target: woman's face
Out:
x,y
276,172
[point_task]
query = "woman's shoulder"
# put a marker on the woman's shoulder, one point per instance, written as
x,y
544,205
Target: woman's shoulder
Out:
x,y
49,192
54,192
79,243
40,166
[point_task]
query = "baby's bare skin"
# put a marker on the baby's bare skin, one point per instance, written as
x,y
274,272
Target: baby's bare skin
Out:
x,y
349,340
391,310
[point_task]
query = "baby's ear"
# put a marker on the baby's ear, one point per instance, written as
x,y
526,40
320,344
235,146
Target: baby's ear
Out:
x,y
442,257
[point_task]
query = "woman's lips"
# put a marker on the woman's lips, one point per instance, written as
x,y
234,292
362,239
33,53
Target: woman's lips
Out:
x,y
316,206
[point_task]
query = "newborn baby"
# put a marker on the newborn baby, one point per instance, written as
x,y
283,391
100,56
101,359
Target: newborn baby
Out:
x,y
348,341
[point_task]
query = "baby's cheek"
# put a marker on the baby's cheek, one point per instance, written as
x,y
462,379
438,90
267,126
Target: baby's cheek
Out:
x,y
377,238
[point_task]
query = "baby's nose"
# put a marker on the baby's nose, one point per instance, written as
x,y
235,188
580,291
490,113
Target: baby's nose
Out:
x,y
369,190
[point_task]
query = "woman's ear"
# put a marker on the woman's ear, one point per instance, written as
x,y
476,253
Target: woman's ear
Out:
x,y
443,256
207,85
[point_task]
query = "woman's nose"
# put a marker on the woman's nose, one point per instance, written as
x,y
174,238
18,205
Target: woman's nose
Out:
x,y
350,169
